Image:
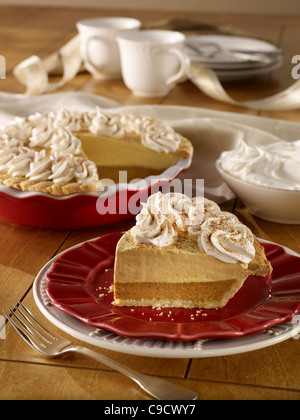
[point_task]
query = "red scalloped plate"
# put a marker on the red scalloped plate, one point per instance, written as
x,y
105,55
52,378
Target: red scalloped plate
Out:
x,y
79,284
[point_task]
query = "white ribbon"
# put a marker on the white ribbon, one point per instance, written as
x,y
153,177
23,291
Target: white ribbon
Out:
x,y
34,72
207,81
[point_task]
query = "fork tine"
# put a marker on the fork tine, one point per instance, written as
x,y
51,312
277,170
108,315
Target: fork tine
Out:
x,y
41,333
26,328
20,331
38,322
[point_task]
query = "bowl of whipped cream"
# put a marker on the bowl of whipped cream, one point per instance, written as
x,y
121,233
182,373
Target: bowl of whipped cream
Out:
x,y
266,178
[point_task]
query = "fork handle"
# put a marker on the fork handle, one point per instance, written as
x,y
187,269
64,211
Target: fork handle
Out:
x,y
158,388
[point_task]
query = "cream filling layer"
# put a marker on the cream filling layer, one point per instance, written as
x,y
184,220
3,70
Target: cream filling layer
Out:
x,y
110,152
185,267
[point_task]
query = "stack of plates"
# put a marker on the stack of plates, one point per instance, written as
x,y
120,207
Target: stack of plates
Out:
x,y
233,57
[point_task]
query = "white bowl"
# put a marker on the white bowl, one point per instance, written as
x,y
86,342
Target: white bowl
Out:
x,y
272,204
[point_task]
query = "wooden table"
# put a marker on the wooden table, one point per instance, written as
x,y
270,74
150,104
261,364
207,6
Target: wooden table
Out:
x,y
270,373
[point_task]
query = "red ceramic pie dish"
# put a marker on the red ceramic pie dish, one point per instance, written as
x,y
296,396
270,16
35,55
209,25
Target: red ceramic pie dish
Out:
x,y
86,210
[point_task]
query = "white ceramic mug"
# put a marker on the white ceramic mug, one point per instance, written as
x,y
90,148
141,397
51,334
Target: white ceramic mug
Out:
x,y
98,46
152,61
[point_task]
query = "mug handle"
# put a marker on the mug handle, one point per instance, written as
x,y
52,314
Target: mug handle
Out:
x,y
183,66
87,59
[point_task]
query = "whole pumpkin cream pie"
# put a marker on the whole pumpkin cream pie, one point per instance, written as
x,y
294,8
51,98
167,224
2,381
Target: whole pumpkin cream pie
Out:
x,y
185,252
67,152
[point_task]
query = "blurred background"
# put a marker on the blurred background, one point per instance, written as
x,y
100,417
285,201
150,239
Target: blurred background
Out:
x,y
286,7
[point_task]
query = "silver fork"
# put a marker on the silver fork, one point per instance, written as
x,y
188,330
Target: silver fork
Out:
x,y
51,345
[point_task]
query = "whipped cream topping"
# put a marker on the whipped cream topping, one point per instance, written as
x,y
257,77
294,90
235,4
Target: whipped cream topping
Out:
x,y
40,168
45,146
19,129
18,162
65,169
219,234
37,165
275,165
64,142
106,125
68,119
